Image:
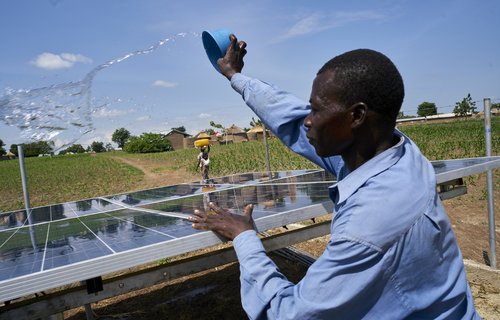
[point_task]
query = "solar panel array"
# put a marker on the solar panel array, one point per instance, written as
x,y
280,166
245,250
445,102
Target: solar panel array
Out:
x,y
58,244
60,236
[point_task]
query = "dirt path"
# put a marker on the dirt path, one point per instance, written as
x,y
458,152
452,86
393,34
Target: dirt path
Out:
x,y
158,174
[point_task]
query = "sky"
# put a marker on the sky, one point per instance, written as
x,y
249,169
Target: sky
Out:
x,y
89,67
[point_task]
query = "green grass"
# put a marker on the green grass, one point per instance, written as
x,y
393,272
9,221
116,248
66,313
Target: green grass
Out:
x,y
68,178
61,178
453,140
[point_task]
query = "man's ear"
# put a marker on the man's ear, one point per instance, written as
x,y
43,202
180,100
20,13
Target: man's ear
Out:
x,y
358,112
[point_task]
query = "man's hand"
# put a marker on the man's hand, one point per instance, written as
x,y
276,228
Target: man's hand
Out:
x,y
232,62
222,221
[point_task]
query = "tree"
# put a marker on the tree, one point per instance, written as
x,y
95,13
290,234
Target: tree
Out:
x,y
180,129
13,149
120,137
495,105
401,115
216,125
75,148
465,107
256,123
219,126
426,109
97,147
209,131
2,150
147,142
33,149
108,147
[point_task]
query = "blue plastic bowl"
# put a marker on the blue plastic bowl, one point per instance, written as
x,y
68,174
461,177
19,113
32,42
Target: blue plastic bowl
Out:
x,y
216,43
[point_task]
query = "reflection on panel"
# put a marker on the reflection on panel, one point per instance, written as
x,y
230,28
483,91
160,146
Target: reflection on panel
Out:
x,y
61,211
145,197
22,251
267,199
64,234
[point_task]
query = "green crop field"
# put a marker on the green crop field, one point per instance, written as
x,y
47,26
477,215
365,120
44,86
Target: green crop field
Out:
x,y
73,177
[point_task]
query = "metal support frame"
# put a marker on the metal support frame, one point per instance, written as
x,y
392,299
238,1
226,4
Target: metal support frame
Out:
x,y
67,299
489,182
451,189
53,278
281,244
449,185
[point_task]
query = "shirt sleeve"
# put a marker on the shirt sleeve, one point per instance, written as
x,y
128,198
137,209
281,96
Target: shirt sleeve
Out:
x,y
346,273
283,113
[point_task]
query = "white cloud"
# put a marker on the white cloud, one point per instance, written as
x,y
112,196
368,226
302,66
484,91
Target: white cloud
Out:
x,y
204,115
51,61
143,118
317,22
306,25
164,84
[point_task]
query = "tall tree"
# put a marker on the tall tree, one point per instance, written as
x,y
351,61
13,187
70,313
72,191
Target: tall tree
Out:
x,y
2,150
120,137
465,107
426,109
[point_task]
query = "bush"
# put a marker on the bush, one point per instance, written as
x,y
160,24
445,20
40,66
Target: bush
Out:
x,y
75,148
146,143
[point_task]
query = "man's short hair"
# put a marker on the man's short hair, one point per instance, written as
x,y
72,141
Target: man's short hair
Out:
x,y
370,77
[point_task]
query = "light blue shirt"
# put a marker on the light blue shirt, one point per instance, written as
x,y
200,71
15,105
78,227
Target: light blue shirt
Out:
x,y
391,254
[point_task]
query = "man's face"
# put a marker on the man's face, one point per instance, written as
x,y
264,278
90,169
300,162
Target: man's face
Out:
x,y
328,123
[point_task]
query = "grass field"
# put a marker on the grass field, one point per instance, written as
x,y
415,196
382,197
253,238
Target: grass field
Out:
x,y
73,177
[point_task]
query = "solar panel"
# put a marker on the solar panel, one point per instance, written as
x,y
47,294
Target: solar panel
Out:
x,y
64,243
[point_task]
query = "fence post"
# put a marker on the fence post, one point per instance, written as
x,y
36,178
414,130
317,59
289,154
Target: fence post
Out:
x,y
489,182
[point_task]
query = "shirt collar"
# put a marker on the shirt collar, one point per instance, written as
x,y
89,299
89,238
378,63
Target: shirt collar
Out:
x,y
347,185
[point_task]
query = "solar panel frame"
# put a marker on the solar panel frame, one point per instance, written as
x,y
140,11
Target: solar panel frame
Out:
x,y
57,276
80,270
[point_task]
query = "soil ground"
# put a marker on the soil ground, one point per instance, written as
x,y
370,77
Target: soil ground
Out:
x,y
214,294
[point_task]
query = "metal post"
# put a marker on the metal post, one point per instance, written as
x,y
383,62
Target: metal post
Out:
x,y
23,178
489,182
268,165
88,312
24,181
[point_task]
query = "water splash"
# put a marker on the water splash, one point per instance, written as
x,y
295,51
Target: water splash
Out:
x,y
44,113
